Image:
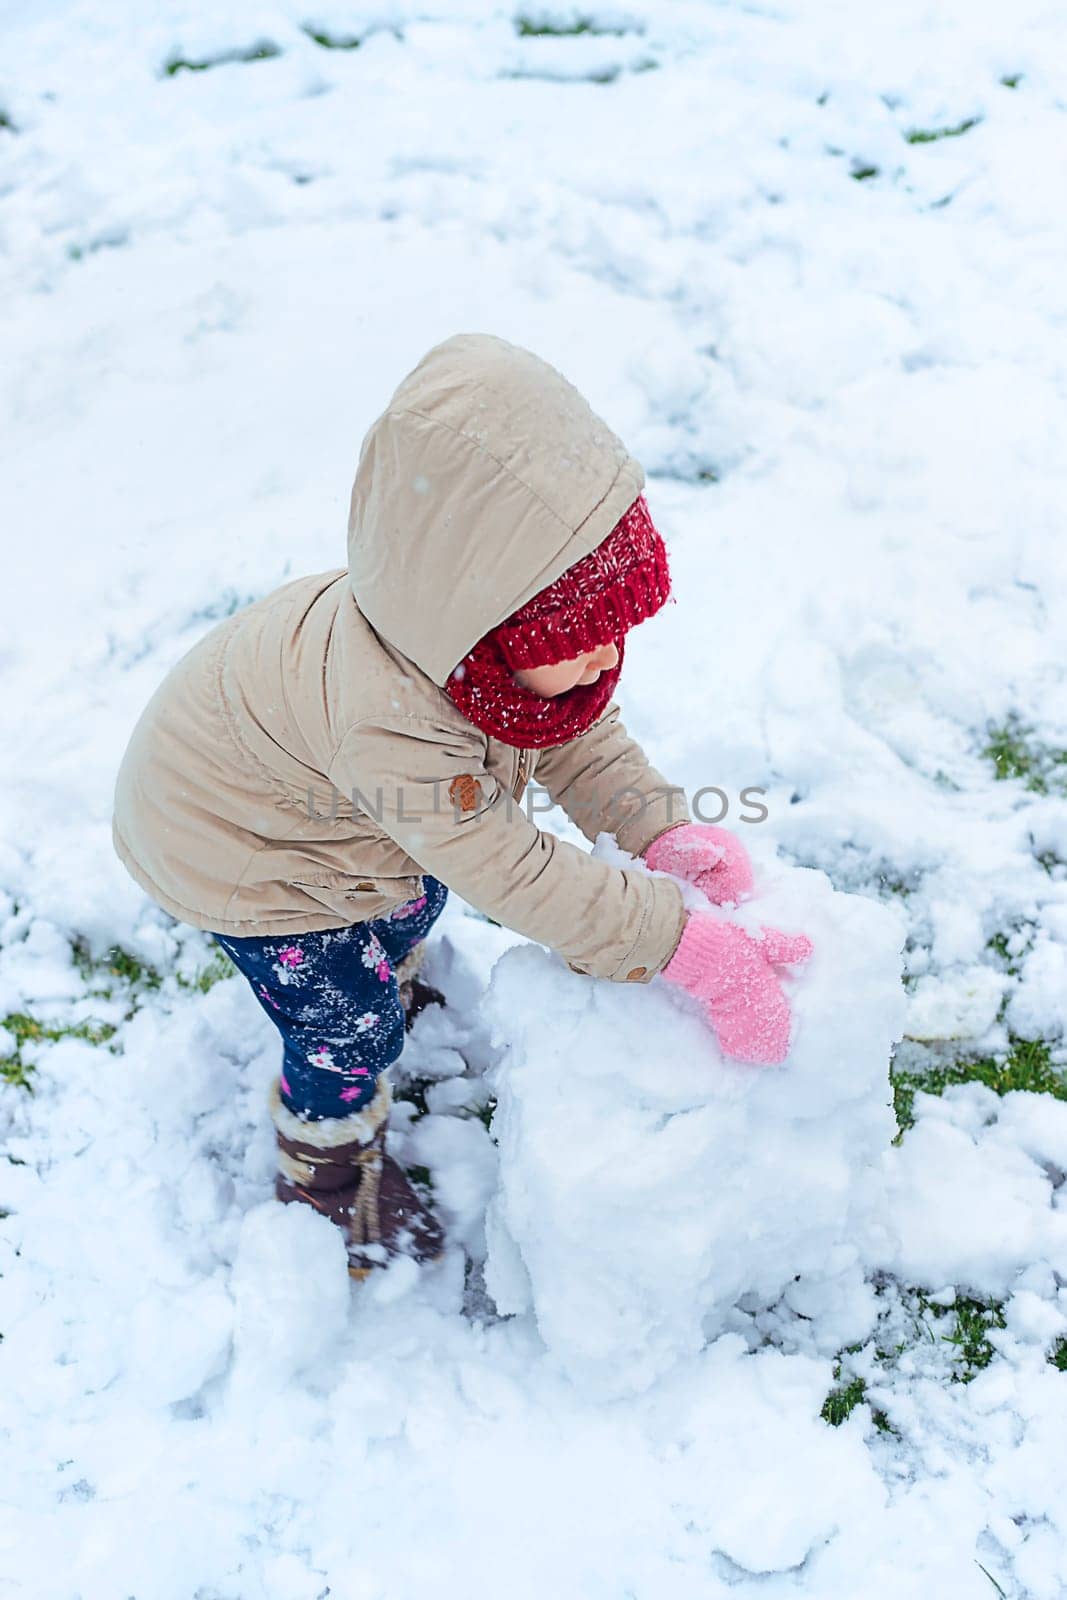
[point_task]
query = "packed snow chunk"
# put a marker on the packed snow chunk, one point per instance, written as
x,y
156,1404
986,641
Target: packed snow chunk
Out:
x,y
165,1369
1038,1007
459,1153
966,1206
646,1182
955,1005
292,1291
783,1482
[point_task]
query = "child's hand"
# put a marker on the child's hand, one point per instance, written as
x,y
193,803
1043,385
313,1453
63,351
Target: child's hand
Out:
x,y
712,858
730,972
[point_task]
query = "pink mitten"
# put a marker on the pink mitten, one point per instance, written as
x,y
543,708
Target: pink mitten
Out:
x,y
730,971
712,858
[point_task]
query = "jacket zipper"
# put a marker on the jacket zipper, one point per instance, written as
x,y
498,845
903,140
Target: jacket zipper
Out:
x,y
520,781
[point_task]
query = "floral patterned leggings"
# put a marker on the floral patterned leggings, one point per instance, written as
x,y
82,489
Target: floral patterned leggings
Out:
x,y
333,997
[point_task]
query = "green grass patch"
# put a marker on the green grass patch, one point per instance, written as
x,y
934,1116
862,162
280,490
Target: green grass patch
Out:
x,y
892,883
842,1400
115,970
961,1330
1012,80
1008,947
529,26
115,975
1005,945
970,1322
862,170
932,135
1027,1065
218,967
263,50
1010,754
421,1177
1058,1355
346,41
845,1397
112,241
1002,1592
119,972
1017,754
332,41
29,1030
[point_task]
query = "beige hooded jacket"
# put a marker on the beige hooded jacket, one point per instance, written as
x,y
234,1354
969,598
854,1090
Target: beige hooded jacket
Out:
x,y
300,767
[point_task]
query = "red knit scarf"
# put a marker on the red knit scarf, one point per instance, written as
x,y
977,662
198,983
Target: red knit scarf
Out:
x,y
485,689
608,591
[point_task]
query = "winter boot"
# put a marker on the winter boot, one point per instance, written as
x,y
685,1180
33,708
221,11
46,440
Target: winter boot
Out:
x,y
415,995
339,1166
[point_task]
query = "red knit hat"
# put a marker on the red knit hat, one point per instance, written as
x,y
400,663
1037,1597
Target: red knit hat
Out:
x,y
596,601
620,583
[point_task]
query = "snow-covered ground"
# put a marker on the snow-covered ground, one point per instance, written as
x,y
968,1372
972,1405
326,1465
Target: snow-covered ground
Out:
x,y
808,261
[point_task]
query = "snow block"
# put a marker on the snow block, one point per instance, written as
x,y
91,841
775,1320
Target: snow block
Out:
x,y
292,1292
647,1183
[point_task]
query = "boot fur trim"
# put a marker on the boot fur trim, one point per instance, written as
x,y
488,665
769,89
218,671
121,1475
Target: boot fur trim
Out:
x,y
293,1168
411,963
331,1132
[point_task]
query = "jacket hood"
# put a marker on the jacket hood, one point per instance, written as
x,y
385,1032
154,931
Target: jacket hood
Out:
x,y
485,478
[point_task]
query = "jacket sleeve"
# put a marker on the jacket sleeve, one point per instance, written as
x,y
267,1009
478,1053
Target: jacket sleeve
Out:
x,y
427,787
605,783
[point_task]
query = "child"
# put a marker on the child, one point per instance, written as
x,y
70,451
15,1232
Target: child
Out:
x,y
308,779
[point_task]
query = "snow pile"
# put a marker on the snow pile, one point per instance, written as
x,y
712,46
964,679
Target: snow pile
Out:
x,y
647,1183
973,1194
807,271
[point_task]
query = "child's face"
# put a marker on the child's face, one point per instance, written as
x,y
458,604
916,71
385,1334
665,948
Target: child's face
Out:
x,y
564,675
